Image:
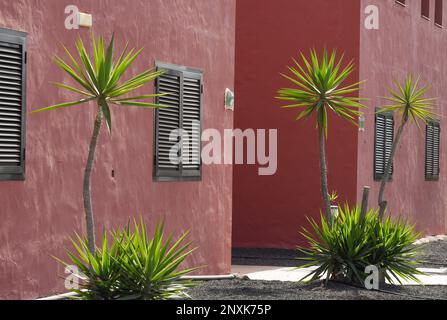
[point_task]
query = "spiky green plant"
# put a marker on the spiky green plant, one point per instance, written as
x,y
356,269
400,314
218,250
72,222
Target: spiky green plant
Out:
x,y
410,102
343,250
394,249
101,80
134,265
333,196
319,89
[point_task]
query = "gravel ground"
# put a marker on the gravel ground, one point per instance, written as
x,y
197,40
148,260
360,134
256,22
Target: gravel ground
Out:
x,y
433,254
265,257
277,290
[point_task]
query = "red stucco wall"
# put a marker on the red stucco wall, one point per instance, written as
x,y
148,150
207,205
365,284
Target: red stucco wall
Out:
x,y
38,215
269,211
405,42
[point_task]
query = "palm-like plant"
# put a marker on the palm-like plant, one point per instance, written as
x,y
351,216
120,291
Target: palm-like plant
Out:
x,y
410,102
100,80
319,89
133,265
343,250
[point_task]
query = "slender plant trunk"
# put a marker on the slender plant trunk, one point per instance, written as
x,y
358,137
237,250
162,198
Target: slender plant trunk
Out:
x,y
90,223
382,203
364,207
323,171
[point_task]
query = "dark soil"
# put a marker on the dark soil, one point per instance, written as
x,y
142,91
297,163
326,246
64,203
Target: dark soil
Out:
x,y
277,290
265,257
433,255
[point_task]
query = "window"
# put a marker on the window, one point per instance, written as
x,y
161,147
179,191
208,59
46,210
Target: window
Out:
x,y
432,142
383,142
177,154
12,104
438,12
425,8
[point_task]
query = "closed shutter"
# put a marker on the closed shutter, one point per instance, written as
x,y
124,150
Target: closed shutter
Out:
x,y
178,125
436,146
383,143
168,120
432,146
389,138
191,125
12,105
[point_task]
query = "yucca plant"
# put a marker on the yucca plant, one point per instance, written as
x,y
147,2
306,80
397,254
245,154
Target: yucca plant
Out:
x,y
343,250
339,251
133,265
101,80
410,102
394,250
319,89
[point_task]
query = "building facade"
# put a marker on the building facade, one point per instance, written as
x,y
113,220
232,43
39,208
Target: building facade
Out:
x,y
412,39
207,47
42,204
268,211
386,39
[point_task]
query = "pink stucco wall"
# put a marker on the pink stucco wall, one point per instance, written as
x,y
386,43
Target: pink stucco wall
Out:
x,y
38,214
269,211
405,42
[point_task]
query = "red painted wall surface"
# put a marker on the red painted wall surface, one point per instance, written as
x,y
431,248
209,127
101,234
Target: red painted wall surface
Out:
x,y
269,211
39,214
405,42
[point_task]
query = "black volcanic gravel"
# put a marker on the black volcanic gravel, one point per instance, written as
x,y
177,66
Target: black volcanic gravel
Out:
x,y
433,254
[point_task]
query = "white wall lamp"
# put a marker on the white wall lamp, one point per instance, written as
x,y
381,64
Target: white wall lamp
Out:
x,y
85,20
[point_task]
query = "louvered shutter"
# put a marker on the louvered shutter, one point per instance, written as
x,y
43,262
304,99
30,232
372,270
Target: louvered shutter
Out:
x,y
383,143
379,150
389,138
12,105
177,159
436,146
191,160
432,146
429,152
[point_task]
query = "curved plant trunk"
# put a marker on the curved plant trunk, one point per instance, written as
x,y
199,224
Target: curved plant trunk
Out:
x,y
382,203
323,171
90,223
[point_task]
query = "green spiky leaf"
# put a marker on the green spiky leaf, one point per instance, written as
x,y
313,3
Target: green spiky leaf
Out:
x,y
318,88
99,77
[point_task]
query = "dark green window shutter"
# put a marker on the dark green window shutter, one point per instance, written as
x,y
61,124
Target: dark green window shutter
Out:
x,y
178,159
12,104
432,146
383,143
168,120
192,93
